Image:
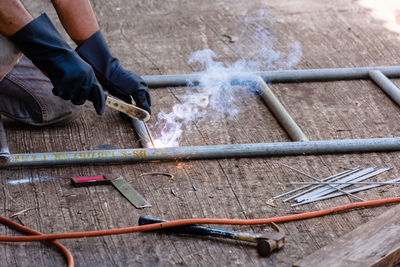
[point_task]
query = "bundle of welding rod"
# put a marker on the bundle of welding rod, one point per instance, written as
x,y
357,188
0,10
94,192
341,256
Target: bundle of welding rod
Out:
x,y
335,185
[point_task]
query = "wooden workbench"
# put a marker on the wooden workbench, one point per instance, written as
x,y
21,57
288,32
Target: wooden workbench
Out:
x,y
158,37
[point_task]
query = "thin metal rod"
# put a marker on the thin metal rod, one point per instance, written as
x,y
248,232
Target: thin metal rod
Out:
x,y
315,179
320,188
330,178
207,152
349,178
311,75
386,85
339,183
143,133
355,190
279,111
303,187
4,150
329,189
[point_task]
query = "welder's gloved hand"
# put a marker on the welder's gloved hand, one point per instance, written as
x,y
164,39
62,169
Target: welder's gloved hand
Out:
x,y
118,81
73,79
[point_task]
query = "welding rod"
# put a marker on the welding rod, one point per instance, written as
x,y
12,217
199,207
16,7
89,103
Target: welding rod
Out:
x,y
264,245
346,179
386,85
4,151
303,187
334,188
341,194
315,179
331,178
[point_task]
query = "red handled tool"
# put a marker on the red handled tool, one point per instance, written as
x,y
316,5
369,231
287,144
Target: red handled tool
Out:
x,y
90,180
118,182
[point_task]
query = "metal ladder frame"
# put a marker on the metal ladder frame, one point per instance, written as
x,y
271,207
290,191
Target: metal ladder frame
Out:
x,y
300,146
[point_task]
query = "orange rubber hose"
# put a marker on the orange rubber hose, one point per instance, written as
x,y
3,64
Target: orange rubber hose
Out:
x,y
23,229
175,223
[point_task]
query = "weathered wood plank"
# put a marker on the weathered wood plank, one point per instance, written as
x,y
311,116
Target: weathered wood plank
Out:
x,y
375,243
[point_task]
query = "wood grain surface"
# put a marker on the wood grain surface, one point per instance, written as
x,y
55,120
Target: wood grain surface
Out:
x,y
375,243
158,37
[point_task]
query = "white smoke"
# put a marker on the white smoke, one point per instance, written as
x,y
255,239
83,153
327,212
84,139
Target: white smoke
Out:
x,y
215,91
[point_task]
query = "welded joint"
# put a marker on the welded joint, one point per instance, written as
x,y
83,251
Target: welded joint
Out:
x,y
143,133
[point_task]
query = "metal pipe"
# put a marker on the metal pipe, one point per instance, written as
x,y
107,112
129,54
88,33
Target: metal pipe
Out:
x,y
277,76
340,194
206,152
386,85
143,133
279,111
319,181
4,150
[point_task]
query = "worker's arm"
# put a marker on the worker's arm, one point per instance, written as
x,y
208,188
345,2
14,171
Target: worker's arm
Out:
x,y
13,16
77,18
79,21
73,79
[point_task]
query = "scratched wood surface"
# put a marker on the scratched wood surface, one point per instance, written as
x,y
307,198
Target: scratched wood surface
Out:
x,y
158,37
375,243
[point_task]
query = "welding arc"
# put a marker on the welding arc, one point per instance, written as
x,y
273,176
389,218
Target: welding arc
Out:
x,y
156,226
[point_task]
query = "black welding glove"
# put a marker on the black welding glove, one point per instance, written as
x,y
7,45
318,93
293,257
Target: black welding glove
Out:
x,y
73,79
115,79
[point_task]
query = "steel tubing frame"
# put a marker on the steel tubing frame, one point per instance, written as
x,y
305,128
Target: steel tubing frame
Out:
x,y
206,152
259,85
279,111
226,151
142,132
378,74
279,76
386,85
